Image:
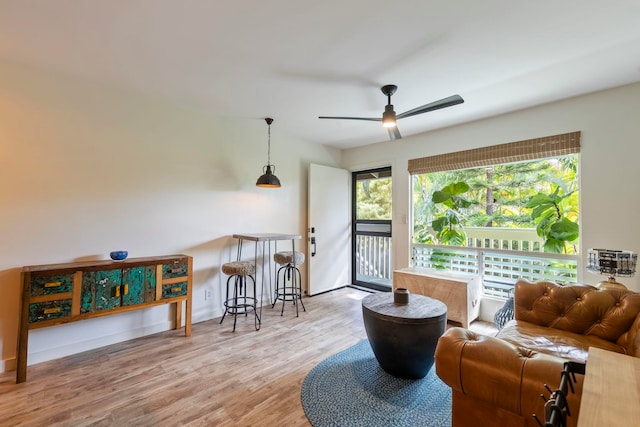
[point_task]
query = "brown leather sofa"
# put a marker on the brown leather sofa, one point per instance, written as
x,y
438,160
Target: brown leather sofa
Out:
x,y
497,381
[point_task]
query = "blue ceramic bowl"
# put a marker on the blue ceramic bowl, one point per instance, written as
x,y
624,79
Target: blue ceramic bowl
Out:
x,y
118,255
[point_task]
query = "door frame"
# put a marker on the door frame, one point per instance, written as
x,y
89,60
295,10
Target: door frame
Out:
x,y
355,232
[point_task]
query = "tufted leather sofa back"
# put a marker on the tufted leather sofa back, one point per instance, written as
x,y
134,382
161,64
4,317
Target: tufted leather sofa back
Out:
x,y
610,314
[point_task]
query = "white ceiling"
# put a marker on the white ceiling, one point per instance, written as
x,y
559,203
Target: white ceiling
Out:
x,y
294,60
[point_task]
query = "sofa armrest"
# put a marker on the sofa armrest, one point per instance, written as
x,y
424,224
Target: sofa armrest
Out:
x,y
499,373
631,339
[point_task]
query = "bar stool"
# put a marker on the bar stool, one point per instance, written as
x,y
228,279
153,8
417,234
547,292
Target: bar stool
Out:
x,y
288,279
243,301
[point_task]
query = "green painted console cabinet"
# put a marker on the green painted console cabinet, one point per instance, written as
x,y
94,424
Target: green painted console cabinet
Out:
x,y
61,293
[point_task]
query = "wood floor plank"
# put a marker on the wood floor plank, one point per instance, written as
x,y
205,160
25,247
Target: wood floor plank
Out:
x,y
215,377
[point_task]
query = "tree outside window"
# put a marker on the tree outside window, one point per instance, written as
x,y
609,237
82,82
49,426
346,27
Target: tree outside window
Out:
x,y
541,195
373,198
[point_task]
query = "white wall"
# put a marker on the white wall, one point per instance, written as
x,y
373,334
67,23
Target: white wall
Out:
x,y
610,158
86,169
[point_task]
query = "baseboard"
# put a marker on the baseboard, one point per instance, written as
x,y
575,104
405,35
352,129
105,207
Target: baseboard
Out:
x,y
8,365
52,353
205,315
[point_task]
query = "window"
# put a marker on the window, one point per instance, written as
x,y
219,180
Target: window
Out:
x,y
503,212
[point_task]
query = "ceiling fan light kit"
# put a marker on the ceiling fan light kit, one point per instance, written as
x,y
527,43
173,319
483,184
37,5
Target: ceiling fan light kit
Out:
x,y
268,179
389,115
389,118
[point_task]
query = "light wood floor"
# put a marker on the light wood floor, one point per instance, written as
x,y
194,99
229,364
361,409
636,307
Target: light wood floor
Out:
x,y
213,378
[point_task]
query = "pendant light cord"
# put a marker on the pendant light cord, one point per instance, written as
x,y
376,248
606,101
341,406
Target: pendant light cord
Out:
x,y
269,144
269,120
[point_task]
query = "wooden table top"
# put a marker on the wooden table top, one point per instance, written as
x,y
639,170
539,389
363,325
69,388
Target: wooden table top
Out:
x,y
420,308
107,263
611,390
263,237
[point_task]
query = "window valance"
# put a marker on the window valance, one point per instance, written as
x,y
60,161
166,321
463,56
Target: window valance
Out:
x,y
530,149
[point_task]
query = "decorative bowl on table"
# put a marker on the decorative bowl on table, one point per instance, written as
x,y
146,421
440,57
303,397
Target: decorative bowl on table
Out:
x,y
118,255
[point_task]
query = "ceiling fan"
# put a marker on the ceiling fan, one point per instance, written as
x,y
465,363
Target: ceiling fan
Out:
x,y
389,116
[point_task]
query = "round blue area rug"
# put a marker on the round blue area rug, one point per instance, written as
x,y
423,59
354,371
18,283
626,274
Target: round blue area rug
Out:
x,y
350,389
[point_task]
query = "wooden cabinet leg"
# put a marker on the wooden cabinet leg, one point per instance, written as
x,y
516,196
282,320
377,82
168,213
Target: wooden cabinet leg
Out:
x,y
23,331
178,305
187,321
21,362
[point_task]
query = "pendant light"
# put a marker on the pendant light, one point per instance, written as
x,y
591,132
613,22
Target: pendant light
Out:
x,y
268,179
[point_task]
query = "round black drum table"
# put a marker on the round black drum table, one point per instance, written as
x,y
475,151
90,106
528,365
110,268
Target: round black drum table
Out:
x,y
404,337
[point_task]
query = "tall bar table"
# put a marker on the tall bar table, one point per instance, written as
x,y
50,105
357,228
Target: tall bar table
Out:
x,y
265,239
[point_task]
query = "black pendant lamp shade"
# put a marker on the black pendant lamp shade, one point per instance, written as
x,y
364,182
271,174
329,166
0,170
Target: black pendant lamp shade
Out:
x,y
268,179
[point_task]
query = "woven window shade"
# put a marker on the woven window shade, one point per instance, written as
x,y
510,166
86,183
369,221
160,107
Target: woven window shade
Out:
x,y
531,149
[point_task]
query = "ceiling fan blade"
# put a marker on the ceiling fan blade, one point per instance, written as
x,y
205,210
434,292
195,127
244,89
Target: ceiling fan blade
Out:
x,y
371,119
394,133
443,103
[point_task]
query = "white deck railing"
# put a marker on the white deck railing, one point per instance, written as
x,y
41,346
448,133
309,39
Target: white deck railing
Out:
x,y
499,256
516,239
373,257
498,269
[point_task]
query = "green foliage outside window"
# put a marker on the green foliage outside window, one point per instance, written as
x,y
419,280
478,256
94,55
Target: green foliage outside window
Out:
x,y
448,226
549,212
373,198
541,195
